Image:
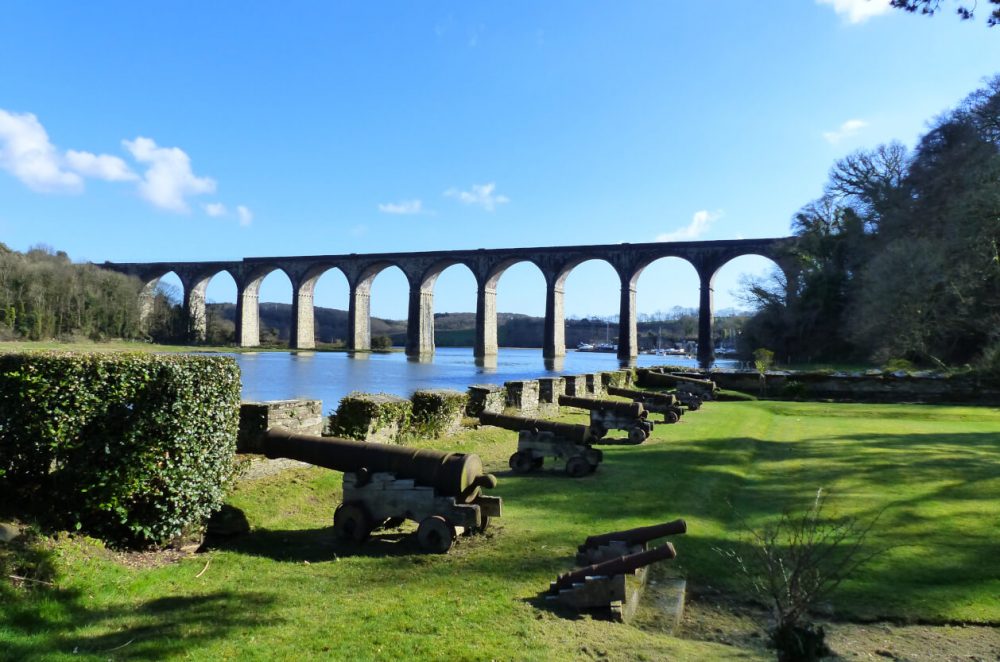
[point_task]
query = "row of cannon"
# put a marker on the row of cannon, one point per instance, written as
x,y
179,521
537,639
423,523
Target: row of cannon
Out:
x,y
442,492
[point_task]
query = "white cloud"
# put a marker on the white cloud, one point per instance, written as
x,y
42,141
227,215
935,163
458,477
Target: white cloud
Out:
x,y
26,153
481,195
169,180
700,224
846,130
100,166
857,11
215,209
404,207
244,214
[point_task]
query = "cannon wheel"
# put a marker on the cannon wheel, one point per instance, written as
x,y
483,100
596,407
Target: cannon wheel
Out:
x,y
352,523
598,431
435,534
671,417
522,462
637,435
484,523
537,462
694,404
577,466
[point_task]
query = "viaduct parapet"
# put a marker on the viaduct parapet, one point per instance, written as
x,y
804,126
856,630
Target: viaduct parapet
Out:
x,y
422,270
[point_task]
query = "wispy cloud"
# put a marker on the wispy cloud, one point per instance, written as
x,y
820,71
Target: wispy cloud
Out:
x,y
857,11
27,153
215,209
169,180
699,225
244,214
846,130
481,195
403,207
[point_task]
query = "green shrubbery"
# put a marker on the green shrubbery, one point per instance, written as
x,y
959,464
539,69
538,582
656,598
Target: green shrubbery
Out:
x,y
362,414
438,411
133,448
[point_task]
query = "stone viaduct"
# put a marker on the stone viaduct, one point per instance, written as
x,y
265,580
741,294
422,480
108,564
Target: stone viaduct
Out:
x,y
422,269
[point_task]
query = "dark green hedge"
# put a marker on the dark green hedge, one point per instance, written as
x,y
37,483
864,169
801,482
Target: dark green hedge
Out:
x,y
437,411
133,448
360,415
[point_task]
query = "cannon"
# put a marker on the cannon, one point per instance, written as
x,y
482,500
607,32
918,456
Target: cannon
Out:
x,y
605,546
658,403
703,388
385,485
613,584
538,439
613,415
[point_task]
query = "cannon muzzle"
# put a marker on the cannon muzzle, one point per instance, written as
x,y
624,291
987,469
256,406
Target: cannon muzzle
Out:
x,y
457,475
637,536
618,566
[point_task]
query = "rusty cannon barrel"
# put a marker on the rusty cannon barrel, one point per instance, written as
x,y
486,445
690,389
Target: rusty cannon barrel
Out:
x,y
644,397
457,475
625,409
637,536
579,434
618,566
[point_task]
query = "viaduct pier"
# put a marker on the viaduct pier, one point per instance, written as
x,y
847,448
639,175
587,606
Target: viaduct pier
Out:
x,y
422,270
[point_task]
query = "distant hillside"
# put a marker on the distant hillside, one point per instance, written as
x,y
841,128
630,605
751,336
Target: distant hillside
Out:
x,y
458,329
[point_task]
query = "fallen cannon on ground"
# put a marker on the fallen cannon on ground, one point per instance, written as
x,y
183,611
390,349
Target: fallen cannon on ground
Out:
x,y
613,415
385,485
613,584
538,439
658,403
605,546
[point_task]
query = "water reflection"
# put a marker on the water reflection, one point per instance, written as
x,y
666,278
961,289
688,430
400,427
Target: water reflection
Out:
x,y
329,376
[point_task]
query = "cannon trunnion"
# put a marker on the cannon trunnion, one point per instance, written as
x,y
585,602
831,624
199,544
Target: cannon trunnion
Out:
x,y
538,439
385,485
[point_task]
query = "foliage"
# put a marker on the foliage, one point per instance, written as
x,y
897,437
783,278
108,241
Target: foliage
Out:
x,y
259,597
930,7
763,359
359,415
134,448
900,257
437,411
794,564
381,342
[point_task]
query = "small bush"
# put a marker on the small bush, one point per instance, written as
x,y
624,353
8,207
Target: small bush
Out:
x,y
794,564
133,448
381,343
371,415
437,412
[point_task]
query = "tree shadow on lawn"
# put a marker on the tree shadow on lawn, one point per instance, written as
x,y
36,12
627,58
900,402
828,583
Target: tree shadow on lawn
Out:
x,y
56,622
314,545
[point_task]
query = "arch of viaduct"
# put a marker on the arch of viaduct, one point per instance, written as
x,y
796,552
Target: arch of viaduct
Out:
x,y
422,269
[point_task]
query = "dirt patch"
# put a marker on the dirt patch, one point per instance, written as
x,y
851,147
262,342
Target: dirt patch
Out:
x,y
741,626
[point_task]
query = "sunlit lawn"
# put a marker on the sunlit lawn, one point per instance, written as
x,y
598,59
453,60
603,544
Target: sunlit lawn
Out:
x,y
288,590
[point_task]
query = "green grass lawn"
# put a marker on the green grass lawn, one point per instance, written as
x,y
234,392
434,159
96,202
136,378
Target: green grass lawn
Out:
x,y
289,591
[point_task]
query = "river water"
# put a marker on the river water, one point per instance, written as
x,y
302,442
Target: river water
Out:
x,y
329,376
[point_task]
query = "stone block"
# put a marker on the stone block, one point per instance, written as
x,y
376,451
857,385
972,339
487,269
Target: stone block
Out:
x,y
549,390
300,416
594,385
523,396
486,397
576,385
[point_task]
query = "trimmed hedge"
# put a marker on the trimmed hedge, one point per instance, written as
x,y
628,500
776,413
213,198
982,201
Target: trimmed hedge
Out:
x,y
136,449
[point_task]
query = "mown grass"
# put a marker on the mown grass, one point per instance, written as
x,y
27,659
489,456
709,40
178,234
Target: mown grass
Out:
x,y
288,590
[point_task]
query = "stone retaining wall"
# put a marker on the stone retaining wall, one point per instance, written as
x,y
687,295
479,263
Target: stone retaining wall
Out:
x,y
301,416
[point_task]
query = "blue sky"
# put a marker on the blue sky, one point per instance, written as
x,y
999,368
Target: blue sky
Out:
x,y
207,131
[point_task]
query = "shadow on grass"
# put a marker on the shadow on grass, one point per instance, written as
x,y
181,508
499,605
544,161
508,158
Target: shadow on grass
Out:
x,y
56,622
315,545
